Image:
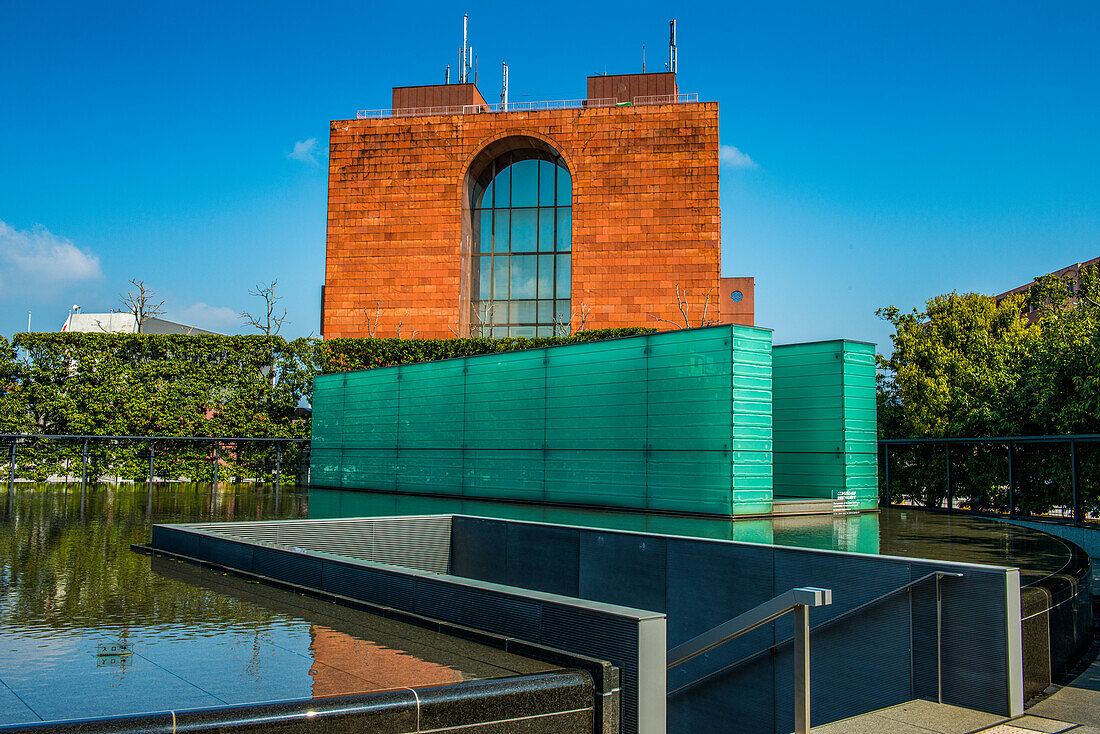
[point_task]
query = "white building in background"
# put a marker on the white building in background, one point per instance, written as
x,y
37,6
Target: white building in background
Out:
x,y
126,323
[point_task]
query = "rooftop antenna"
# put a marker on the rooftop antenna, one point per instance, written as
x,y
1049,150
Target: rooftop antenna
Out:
x,y
672,45
447,77
504,88
462,74
643,58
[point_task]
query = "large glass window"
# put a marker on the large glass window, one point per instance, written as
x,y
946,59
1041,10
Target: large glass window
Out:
x,y
522,226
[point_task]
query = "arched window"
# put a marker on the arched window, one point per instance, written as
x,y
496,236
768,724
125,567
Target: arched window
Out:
x,y
521,206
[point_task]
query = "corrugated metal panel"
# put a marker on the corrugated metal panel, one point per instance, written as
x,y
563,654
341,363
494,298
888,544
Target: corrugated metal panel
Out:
x,y
677,420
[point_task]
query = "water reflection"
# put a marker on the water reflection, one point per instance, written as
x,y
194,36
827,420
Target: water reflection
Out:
x,y
893,531
855,533
70,582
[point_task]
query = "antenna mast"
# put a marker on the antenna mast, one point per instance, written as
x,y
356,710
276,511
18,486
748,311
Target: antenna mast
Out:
x,y
504,89
672,45
462,71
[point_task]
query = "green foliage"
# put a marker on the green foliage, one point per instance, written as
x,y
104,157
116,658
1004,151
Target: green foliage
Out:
x,y
158,385
954,370
14,415
342,355
968,366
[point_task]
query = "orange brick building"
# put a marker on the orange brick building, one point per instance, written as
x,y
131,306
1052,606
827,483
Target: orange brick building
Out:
x,y
449,216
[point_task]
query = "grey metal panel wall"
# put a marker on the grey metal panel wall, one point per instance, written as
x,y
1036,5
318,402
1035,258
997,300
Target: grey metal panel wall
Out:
x,y
973,628
877,657
700,595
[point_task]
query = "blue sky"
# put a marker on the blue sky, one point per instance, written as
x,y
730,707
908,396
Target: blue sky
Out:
x,y
894,150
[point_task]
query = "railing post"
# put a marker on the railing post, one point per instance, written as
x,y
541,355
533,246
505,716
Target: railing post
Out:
x,y
215,464
1073,482
84,466
1011,484
11,471
151,443
947,463
886,468
939,642
278,461
801,669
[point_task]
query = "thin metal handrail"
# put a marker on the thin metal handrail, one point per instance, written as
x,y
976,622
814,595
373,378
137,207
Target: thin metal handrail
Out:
x,y
746,622
497,107
1062,438
798,601
830,622
227,439
14,439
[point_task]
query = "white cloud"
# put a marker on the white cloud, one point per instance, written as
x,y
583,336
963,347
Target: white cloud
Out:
x,y
728,155
36,258
304,151
205,316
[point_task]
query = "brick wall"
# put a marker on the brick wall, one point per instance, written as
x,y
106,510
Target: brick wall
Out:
x,y
645,214
738,312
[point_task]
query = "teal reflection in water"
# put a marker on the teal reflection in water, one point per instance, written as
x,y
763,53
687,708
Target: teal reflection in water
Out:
x,y
855,533
895,531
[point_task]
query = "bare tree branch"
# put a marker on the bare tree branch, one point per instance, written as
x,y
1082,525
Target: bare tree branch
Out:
x,y
267,323
685,310
706,302
658,318
372,328
140,303
684,307
415,334
484,315
585,310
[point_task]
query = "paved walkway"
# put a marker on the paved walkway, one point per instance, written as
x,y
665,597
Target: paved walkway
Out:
x,y
1074,708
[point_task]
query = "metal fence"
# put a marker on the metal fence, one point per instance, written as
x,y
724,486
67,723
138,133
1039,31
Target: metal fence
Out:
x,y
89,459
555,104
1053,477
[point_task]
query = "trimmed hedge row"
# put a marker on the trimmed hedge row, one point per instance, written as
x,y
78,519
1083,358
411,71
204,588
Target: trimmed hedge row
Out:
x,y
175,385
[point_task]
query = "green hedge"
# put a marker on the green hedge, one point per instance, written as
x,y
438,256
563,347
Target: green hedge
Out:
x,y
160,385
342,355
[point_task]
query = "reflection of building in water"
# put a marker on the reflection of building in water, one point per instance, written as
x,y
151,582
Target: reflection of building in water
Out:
x,y
343,665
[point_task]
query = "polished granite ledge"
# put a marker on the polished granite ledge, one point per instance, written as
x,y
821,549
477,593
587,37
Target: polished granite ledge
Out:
x,y
560,701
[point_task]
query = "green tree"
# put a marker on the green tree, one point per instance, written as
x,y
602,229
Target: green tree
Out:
x,y
954,369
1062,380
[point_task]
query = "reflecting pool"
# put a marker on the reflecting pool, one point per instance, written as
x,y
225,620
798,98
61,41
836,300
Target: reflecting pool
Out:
x,y
893,531
71,584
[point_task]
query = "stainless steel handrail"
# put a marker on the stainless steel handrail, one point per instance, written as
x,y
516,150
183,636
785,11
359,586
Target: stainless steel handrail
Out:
x,y
797,601
844,615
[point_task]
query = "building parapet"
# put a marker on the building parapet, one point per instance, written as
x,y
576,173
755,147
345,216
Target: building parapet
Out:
x,y
559,104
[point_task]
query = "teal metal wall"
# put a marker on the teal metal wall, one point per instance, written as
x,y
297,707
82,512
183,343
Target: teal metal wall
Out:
x,y
825,422
673,421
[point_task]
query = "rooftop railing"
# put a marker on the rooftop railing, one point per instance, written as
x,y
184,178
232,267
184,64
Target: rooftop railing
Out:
x,y
557,104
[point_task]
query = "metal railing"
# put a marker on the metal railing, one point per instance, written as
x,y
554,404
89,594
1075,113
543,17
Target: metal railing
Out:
x,y
797,601
1030,476
801,639
211,456
666,99
557,104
